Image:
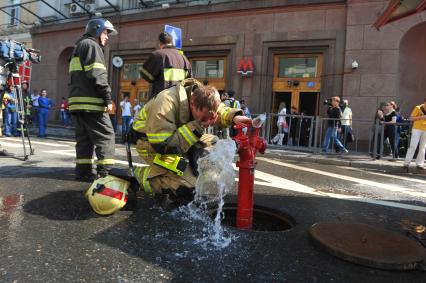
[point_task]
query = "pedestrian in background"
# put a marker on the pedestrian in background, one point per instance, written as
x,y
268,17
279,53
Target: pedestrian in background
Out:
x,y
166,66
245,108
64,112
44,104
138,106
10,112
293,124
418,136
281,124
390,128
334,115
126,115
34,98
346,123
90,99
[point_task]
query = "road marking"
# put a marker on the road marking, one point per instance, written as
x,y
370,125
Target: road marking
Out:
x,y
382,186
285,184
72,153
7,144
36,142
385,175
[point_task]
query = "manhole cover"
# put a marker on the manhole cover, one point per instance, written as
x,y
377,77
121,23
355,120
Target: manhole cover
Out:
x,y
367,245
264,218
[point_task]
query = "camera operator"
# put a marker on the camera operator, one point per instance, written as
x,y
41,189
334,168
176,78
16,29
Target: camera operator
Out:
x,y
10,113
334,114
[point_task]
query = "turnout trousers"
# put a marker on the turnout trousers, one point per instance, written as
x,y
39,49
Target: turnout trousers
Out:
x,y
154,179
93,133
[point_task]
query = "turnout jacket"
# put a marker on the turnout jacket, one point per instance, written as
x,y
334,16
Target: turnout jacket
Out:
x,y
166,120
165,68
89,90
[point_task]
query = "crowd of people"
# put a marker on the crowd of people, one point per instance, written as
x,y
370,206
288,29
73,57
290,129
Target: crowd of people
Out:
x,y
35,110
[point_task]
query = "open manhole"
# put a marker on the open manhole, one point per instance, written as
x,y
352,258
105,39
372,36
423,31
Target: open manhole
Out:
x,y
264,218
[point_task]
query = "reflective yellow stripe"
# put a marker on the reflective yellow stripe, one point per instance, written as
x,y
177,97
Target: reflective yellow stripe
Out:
x,y
105,162
187,135
225,116
142,152
142,114
76,107
139,125
84,161
75,65
148,74
158,138
86,99
146,183
95,65
173,74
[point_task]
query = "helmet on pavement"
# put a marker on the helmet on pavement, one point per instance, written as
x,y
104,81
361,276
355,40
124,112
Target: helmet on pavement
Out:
x,y
108,194
96,26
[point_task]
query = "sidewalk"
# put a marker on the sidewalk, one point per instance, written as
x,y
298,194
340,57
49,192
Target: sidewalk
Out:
x,y
352,159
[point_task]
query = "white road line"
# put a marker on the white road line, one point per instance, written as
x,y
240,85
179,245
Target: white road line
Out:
x,y
311,191
382,186
36,142
68,153
8,144
385,175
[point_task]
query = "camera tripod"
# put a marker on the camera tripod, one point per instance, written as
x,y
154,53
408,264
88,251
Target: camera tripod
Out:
x,y
15,80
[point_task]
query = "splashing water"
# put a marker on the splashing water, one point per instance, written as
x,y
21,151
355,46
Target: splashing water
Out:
x,y
216,177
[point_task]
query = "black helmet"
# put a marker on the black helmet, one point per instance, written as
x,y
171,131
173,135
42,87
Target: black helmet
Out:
x,y
96,26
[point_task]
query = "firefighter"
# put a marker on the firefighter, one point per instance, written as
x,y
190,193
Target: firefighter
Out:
x,y
89,101
170,130
165,67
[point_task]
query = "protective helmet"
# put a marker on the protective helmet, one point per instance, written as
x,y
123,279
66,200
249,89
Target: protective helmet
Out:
x,y
96,26
108,194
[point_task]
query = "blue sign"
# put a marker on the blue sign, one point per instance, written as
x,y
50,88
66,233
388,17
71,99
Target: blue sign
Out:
x,y
311,84
176,33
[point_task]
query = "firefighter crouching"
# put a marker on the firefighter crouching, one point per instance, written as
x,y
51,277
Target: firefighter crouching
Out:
x,y
170,135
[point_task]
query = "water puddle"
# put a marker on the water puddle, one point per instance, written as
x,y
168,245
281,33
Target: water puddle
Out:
x,y
216,178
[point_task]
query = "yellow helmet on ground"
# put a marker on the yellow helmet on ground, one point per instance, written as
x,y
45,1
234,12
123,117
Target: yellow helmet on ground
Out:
x,y
108,194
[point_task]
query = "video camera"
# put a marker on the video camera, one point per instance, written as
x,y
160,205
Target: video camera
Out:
x,y
327,101
12,54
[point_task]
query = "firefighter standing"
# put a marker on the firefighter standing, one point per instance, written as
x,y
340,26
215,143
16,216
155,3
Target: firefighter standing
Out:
x,y
170,128
165,67
89,99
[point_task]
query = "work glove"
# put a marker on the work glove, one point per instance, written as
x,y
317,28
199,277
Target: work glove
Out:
x,y
209,140
196,151
131,136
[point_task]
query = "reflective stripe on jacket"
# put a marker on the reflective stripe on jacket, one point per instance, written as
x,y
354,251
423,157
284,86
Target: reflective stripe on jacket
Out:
x,y
166,119
89,90
165,68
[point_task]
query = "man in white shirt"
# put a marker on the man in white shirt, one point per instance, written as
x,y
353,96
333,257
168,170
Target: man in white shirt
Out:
x,y
126,115
138,106
346,123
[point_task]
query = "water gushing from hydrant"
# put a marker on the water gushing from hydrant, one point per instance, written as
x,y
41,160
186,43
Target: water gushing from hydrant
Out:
x,y
216,177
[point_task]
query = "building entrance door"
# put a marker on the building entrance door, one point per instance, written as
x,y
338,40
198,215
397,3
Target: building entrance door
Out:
x,y
297,81
132,85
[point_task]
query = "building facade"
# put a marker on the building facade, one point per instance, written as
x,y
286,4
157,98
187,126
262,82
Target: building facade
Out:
x,y
267,51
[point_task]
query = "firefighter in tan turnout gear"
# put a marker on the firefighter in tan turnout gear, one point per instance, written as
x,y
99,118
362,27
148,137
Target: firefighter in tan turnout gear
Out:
x,y
89,99
166,66
170,132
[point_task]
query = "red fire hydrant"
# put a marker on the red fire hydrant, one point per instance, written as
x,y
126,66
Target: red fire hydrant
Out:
x,y
248,145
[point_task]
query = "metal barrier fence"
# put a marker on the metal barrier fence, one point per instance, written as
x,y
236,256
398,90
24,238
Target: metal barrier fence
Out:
x,y
307,133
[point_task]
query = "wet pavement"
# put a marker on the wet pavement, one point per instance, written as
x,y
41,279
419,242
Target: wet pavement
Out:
x,y
50,234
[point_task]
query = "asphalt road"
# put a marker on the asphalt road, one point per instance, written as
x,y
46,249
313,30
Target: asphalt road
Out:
x,y
49,234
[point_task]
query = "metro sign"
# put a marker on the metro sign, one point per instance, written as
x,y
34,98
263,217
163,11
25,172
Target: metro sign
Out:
x,y
245,67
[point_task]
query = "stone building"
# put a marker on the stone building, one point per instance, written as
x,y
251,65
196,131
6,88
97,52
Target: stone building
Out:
x,y
299,51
